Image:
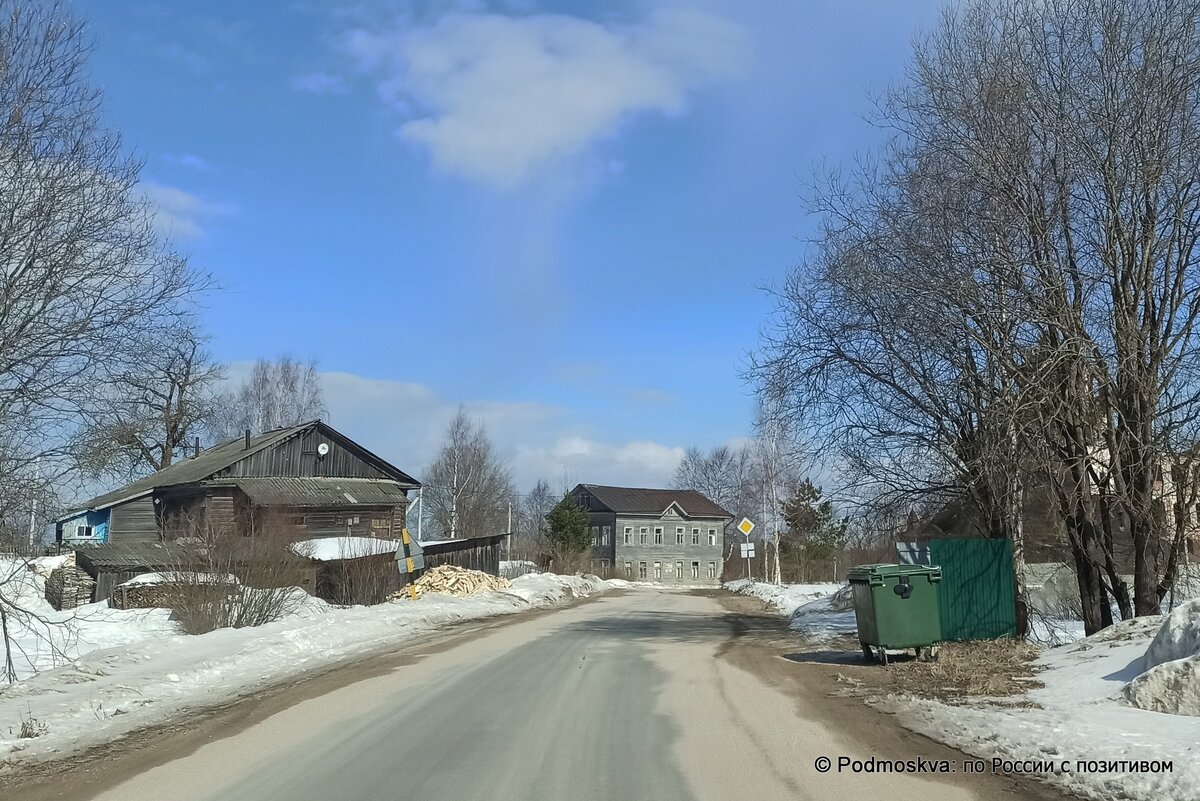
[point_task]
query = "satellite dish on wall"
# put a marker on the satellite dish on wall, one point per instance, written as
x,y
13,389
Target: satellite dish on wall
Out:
x,y
323,449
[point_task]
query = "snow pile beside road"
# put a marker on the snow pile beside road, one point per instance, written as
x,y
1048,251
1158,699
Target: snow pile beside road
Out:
x,y
111,691
787,598
1171,681
828,616
44,638
818,611
1079,719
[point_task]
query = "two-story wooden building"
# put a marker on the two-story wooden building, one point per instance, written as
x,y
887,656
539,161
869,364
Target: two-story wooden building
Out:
x,y
665,535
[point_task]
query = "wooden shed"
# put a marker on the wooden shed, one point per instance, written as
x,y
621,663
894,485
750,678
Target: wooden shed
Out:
x,y
473,553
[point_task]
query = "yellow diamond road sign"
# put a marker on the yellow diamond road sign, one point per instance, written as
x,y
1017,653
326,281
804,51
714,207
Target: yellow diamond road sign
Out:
x,y
745,526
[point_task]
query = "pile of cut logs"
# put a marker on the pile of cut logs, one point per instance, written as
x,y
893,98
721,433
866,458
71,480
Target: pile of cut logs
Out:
x,y
453,580
68,587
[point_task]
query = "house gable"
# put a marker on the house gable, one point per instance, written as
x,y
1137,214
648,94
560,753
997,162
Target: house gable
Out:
x,y
299,456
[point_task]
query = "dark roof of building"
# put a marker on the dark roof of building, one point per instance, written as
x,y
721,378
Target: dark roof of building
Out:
x,y
639,501
216,459
288,491
129,556
435,547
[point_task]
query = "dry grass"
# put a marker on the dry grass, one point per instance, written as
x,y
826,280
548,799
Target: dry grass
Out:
x,y
979,668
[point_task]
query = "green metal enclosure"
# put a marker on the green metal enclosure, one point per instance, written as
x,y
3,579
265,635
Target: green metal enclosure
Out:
x,y
977,593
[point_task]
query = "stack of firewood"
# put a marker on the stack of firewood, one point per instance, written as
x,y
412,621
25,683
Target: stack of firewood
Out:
x,y
453,580
145,596
68,587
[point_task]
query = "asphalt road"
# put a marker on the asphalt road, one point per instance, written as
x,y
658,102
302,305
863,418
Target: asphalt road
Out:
x,y
625,697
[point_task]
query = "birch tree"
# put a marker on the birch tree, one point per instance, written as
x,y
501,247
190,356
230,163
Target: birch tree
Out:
x,y
468,487
278,393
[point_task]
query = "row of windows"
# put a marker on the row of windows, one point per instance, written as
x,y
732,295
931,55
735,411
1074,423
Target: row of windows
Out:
x,y
643,535
658,570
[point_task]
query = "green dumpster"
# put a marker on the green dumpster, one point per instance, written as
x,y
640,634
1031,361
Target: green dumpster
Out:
x,y
896,607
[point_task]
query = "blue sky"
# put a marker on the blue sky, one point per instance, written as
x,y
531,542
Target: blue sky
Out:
x,y
558,214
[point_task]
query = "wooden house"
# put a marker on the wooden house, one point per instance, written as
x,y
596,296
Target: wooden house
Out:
x,y
306,481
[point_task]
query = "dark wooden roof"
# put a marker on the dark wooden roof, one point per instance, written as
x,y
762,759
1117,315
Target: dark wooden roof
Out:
x,y
639,501
316,491
136,556
221,457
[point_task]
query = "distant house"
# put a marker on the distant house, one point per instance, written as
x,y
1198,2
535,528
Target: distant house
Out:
x,y
672,536
307,480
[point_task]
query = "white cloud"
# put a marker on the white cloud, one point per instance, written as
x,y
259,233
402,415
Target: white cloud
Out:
x,y
495,98
404,423
180,214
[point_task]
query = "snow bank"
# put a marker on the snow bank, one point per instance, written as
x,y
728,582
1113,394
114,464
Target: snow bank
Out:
x,y
818,611
826,617
1179,637
1171,681
111,691
44,638
1172,687
787,598
1079,716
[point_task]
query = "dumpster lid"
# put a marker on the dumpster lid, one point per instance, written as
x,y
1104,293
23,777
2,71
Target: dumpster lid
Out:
x,y
866,572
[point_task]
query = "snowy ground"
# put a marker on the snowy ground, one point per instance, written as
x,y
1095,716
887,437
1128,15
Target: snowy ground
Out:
x,y
1080,718
1081,715
128,669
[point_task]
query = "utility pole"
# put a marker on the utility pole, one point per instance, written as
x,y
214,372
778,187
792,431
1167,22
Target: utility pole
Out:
x,y
508,544
33,525
420,511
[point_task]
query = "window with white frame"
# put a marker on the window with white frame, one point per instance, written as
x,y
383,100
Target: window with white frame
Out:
x,y
643,535
595,536
641,570
679,535
712,536
629,569
695,570
712,569
679,570
606,535
658,535
658,570
628,535
695,536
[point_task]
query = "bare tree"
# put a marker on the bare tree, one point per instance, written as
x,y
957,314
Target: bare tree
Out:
x,y
1010,291
532,525
159,406
277,394
84,279
722,474
468,487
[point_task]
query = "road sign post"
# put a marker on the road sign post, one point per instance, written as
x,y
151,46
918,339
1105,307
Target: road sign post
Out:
x,y
410,558
746,525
